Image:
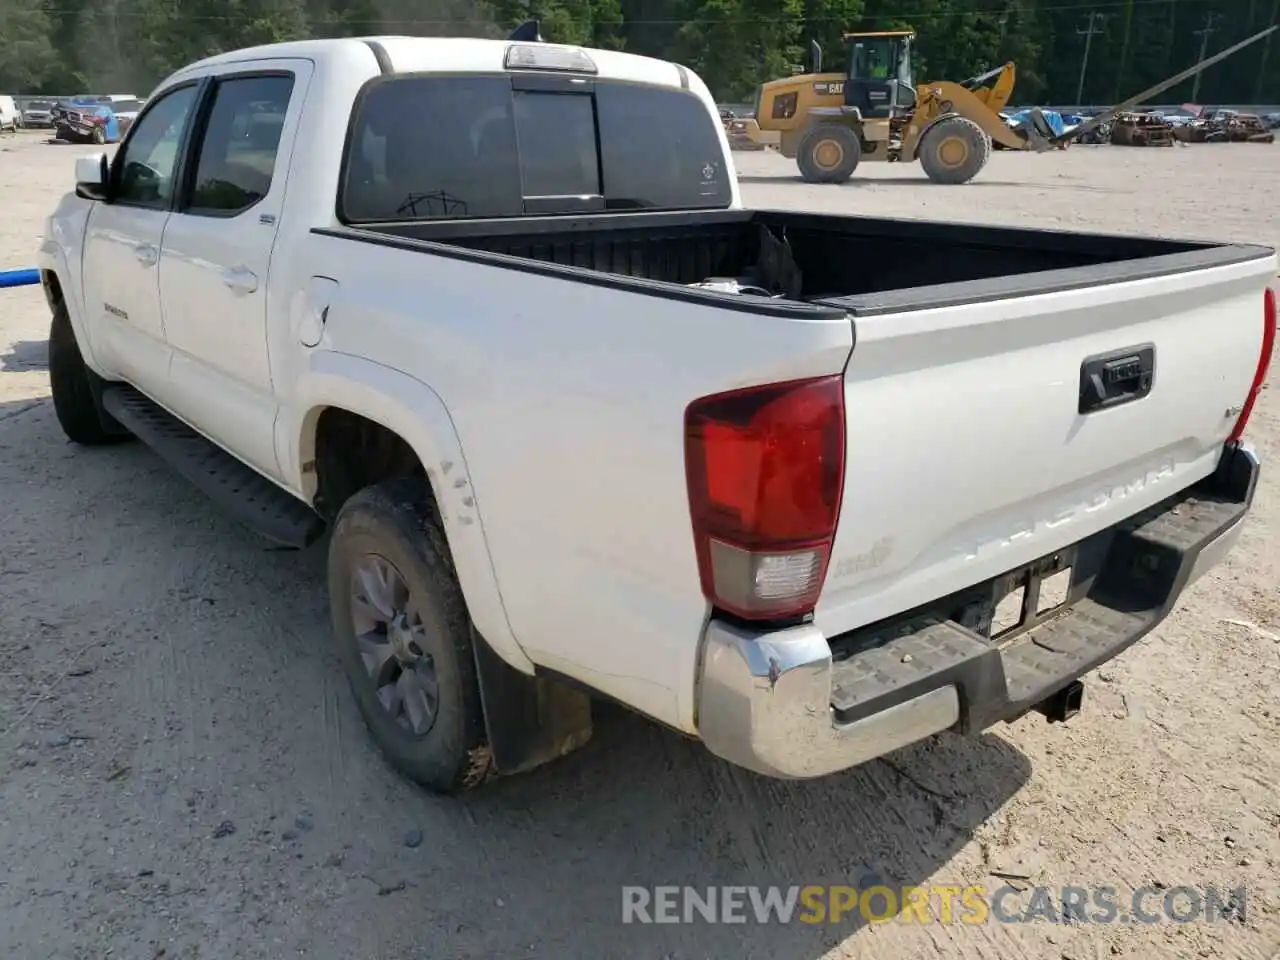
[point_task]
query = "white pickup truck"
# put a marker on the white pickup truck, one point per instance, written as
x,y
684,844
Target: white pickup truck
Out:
x,y
580,425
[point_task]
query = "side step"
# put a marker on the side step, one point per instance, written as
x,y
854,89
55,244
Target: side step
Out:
x,y
239,490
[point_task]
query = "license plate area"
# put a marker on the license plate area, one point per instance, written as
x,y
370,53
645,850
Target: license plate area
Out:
x,y
1023,598
1002,608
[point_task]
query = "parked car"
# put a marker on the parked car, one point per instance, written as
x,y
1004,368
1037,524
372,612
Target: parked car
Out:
x,y
38,113
10,116
577,421
126,112
87,123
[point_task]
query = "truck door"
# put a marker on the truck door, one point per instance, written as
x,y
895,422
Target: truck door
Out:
x,y
216,253
123,239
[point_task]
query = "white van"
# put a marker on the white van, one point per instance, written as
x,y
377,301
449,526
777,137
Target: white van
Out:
x,y
10,118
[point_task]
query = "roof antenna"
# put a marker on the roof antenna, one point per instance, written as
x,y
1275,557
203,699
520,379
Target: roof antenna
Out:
x,y
527,32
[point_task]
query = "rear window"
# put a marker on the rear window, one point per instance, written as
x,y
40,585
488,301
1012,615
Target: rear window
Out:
x,y
432,148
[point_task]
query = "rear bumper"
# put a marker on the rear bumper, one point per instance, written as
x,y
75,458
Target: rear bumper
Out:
x,y
793,704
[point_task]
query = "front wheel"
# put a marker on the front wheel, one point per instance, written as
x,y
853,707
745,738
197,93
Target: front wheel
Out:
x,y
404,636
954,150
99,135
828,153
71,382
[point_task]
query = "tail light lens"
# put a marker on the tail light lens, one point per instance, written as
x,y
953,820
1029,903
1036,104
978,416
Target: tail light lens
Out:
x,y
765,468
1264,362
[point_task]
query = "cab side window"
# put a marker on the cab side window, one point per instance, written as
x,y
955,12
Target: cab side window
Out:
x,y
237,152
146,166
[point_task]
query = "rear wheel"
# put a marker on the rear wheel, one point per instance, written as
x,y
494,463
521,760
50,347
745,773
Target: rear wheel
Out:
x,y
404,636
954,150
828,153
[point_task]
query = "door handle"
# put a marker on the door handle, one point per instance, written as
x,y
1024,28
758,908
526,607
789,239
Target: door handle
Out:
x,y
240,280
1121,376
147,254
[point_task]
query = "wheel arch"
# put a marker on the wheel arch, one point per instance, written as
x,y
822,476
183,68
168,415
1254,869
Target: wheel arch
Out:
x,y
59,267
413,412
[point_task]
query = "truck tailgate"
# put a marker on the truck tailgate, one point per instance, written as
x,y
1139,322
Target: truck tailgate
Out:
x,y
968,451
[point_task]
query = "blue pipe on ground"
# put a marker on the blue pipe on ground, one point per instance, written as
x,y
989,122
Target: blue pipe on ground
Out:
x,y
19,278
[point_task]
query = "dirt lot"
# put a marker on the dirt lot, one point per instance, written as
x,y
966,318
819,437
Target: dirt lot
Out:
x,y
183,774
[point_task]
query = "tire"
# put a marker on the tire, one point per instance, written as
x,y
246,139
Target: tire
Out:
x,y
828,153
62,133
71,383
395,524
99,135
940,151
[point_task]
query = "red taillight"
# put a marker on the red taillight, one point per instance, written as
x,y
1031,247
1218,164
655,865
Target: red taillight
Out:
x,y
765,468
1264,362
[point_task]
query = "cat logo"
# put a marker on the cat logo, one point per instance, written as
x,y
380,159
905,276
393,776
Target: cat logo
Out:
x,y
828,88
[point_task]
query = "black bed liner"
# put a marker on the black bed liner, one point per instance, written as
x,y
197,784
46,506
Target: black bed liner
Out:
x,y
858,265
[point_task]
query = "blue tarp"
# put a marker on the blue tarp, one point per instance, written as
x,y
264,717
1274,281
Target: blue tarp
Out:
x,y
1053,118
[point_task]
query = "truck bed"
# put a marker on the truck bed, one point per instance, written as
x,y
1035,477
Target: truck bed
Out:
x,y
863,265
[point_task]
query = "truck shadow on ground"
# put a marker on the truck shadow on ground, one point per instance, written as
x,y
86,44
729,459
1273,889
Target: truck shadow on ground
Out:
x,y
25,355
241,715
658,810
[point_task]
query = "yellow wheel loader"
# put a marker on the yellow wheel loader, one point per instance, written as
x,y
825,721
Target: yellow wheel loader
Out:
x,y
830,122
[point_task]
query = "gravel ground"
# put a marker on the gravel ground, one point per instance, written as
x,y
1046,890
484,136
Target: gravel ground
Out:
x,y
183,774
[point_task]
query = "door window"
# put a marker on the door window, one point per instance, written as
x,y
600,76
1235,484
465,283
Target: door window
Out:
x,y
874,58
237,153
146,166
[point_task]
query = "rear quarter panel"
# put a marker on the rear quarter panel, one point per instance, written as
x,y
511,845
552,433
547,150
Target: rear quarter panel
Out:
x,y
568,399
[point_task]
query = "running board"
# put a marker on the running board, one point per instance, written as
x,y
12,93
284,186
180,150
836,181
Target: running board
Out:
x,y
239,490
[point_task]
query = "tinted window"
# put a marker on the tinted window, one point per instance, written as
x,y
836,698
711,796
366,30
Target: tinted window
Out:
x,y
660,149
434,149
557,137
446,147
145,166
238,150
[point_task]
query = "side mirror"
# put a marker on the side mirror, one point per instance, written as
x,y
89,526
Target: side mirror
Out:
x,y
92,178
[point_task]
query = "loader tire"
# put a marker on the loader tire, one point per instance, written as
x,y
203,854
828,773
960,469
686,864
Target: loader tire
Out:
x,y
828,153
954,150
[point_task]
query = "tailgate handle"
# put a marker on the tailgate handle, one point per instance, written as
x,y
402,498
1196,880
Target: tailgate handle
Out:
x,y
1121,376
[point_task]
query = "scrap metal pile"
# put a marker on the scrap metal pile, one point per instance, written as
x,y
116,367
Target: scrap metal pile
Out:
x,y
1204,125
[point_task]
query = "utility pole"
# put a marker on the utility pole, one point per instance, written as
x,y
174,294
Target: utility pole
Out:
x,y
1094,28
1266,53
1204,33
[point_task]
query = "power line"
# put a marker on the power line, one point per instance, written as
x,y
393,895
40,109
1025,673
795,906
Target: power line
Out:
x,y
1096,26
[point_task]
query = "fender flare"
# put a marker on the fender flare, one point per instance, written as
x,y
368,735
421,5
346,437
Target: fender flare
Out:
x,y
416,413
933,123
53,260
915,152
